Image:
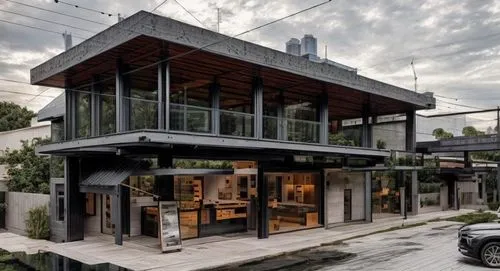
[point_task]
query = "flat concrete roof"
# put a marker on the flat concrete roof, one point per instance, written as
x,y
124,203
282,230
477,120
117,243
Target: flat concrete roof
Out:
x,y
147,24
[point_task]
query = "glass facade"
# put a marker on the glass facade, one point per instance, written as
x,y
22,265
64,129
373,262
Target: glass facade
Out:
x,y
107,102
293,201
142,99
82,114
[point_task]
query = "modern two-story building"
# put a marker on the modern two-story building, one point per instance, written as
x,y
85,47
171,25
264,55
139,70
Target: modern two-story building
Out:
x,y
150,90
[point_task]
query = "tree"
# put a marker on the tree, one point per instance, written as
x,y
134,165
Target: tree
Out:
x,y
27,171
440,133
13,116
471,131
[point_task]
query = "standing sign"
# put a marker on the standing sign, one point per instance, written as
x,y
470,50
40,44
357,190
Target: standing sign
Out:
x,y
169,226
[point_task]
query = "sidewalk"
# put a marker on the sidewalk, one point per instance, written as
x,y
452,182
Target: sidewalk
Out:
x,y
209,255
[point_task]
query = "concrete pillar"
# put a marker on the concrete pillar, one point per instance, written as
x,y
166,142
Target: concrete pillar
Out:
x,y
258,103
368,196
402,200
70,115
443,197
323,118
483,189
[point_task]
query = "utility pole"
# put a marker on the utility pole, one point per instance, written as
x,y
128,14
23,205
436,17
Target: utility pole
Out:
x,y
498,148
414,73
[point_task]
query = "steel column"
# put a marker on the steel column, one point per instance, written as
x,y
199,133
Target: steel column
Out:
x,y
365,128
167,96
262,210
120,91
322,197
95,107
281,129
161,95
258,103
70,115
368,196
215,100
73,201
116,215
323,118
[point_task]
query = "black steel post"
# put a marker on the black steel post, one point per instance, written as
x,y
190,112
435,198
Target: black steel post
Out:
x,y
262,210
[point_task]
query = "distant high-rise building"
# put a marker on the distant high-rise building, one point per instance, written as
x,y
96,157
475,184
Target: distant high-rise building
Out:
x,y
309,45
293,47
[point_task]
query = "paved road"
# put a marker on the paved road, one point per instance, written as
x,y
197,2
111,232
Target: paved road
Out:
x,y
429,247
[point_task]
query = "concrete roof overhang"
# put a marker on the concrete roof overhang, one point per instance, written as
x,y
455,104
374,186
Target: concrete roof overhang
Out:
x,y
145,38
207,146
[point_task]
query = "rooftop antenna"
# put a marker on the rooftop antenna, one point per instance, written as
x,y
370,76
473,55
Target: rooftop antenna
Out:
x,y
326,51
218,20
414,72
68,41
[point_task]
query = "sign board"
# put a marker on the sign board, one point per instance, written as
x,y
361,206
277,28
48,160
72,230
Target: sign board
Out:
x,y
169,226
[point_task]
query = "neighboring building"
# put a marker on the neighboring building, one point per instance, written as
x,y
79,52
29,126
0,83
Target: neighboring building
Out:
x,y
293,47
452,124
309,45
11,140
129,114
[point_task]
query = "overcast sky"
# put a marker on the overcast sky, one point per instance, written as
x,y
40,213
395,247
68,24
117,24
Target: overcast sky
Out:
x,y
455,44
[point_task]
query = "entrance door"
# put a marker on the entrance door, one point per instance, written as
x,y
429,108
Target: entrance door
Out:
x,y
106,220
347,205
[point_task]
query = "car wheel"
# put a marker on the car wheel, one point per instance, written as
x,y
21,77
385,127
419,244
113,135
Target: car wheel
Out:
x,y
490,254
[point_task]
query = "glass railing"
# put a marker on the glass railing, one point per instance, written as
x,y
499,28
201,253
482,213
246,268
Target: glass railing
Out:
x,y
190,118
270,127
236,123
302,130
108,114
143,113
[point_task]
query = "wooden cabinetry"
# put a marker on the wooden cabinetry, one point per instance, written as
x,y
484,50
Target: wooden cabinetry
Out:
x,y
188,224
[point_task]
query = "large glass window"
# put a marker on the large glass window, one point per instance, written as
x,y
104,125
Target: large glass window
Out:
x,y
190,107
82,114
57,130
293,201
108,109
143,100
302,120
56,166
270,119
236,110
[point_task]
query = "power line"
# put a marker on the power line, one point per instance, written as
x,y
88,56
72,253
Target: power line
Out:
x,y
14,81
467,106
158,6
37,95
60,13
24,93
192,15
48,21
85,8
37,28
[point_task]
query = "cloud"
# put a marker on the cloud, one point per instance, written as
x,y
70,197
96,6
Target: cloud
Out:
x,y
454,44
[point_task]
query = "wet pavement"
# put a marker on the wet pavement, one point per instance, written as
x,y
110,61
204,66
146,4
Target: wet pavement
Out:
x,y
429,247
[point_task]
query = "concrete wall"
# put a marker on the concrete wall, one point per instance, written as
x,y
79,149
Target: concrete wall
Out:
x,y
18,205
338,181
443,198
392,133
431,196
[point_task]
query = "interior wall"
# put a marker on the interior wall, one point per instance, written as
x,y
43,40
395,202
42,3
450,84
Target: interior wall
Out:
x,y
136,204
338,181
93,223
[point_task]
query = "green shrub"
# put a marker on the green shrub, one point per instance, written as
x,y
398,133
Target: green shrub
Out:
x,y
493,205
37,224
474,218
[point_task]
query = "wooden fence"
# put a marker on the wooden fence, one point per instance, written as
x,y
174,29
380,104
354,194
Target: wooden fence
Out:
x,y
18,205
